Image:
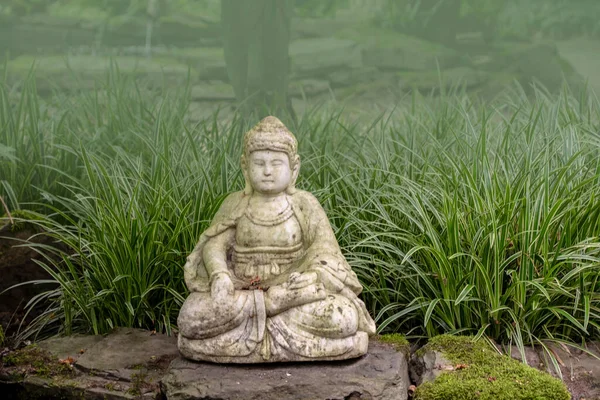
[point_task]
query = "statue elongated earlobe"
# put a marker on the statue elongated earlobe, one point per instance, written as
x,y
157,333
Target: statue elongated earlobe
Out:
x,y
295,164
248,187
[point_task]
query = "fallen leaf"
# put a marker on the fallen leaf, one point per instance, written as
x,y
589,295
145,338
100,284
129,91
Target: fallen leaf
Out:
x,y
491,378
68,361
461,366
560,361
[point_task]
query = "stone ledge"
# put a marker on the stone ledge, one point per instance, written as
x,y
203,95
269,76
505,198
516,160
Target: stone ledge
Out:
x,y
136,364
381,374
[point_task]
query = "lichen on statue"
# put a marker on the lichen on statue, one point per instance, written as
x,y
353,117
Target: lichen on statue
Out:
x,y
267,279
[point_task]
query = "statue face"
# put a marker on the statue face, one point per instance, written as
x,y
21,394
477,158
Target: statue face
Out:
x,y
269,172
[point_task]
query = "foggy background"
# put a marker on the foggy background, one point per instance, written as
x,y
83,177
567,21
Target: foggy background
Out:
x,y
286,56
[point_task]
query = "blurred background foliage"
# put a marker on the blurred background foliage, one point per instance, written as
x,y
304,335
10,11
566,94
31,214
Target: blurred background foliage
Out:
x,y
556,18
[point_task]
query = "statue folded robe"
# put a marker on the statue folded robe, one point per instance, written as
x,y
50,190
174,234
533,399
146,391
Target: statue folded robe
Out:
x,y
244,330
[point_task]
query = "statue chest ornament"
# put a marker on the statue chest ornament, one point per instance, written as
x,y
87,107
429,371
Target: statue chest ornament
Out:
x,y
265,248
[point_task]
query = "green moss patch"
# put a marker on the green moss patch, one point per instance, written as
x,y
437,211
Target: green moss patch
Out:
x,y
32,360
397,340
20,220
480,373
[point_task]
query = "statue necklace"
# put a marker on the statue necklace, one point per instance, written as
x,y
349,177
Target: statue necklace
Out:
x,y
277,219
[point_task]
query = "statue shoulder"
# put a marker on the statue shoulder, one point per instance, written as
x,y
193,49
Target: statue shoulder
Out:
x,y
307,205
306,200
232,205
233,199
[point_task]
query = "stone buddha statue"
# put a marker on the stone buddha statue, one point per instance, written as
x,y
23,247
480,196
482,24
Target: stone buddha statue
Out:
x,y
267,279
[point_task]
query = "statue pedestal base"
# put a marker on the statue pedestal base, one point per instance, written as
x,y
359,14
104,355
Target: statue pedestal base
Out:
x,y
380,374
193,350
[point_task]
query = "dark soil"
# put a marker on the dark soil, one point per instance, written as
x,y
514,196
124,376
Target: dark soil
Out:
x,y
580,372
17,265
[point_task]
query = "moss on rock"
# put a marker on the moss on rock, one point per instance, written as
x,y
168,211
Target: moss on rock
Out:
x,y
32,360
18,221
397,340
479,372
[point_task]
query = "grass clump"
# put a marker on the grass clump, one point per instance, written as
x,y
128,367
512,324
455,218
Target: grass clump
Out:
x,y
457,216
480,373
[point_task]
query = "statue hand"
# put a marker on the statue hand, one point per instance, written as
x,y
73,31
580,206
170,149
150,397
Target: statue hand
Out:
x,y
281,298
221,288
299,281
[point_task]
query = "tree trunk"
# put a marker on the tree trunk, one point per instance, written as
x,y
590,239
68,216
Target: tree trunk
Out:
x,y
256,37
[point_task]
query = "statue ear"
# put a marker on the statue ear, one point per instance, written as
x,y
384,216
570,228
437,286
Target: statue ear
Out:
x,y
295,172
296,167
248,187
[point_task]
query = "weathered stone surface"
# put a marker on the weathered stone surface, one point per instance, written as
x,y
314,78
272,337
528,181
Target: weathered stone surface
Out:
x,y
222,91
126,351
459,77
125,364
580,369
316,58
73,346
540,62
267,280
467,367
532,357
428,365
381,374
305,27
212,91
352,77
308,87
584,55
59,72
130,363
209,62
390,50
534,62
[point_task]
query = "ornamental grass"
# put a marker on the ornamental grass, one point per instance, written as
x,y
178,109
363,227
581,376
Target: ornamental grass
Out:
x,y
458,216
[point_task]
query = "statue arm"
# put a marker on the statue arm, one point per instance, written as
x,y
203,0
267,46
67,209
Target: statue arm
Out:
x,y
214,253
323,253
195,271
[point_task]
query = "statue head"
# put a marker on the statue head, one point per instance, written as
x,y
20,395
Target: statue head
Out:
x,y
270,161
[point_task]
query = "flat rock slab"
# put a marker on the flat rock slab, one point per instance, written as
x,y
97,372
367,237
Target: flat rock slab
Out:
x,y
381,374
126,351
137,364
125,364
